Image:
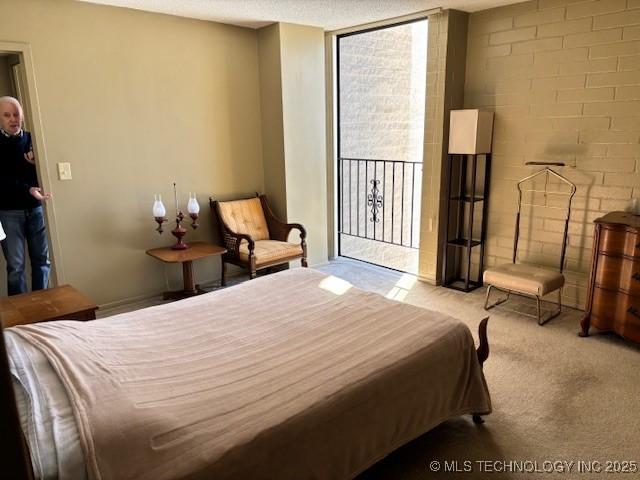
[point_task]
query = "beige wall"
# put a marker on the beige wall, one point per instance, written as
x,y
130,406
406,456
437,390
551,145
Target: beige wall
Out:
x,y
294,125
135,101
563,79
303,105
271,115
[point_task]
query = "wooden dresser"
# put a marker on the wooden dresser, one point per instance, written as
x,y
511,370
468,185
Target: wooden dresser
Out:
x,y
613,302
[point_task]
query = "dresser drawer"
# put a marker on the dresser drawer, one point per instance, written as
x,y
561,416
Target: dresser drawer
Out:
x,y
619,241
604,307
618,273
629,325
616,311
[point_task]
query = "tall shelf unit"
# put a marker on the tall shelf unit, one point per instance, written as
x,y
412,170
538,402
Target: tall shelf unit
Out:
x,y
466,220
469,171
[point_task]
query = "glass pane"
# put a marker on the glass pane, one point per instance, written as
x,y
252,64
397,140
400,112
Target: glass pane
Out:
x,y
382,93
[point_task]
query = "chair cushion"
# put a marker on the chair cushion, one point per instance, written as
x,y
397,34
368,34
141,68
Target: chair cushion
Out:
x,y
269,250
524,278
245,216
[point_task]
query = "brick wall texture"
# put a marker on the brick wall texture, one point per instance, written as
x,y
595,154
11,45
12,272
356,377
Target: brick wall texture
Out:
x,y
382,75
563,78
446,53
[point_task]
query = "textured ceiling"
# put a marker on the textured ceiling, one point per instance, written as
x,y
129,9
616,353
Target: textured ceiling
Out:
x,y
328,14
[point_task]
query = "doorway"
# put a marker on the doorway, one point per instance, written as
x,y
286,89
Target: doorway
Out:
x,y
381,90
17,79
10,84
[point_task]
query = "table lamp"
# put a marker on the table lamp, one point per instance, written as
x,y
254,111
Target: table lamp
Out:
x,y
159,211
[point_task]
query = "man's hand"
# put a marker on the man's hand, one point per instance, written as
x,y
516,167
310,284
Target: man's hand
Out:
x,y
38,194
29,157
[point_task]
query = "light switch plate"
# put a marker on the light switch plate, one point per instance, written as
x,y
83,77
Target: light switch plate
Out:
x,y
64,171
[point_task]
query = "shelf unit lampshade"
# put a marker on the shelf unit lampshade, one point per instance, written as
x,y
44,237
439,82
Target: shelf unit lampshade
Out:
x,y
2,234
470,131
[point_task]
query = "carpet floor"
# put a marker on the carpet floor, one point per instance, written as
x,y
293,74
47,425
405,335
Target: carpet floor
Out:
x,y
557,398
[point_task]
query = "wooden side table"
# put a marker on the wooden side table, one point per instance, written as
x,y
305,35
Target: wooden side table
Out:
x,y
195,251
59,303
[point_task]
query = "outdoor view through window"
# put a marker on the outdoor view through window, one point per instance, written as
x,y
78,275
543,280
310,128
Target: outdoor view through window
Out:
x,y
381,111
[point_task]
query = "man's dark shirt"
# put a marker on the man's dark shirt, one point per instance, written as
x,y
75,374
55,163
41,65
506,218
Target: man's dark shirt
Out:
x,y
17,174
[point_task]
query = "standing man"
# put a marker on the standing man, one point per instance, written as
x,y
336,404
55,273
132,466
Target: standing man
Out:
x,y
21,212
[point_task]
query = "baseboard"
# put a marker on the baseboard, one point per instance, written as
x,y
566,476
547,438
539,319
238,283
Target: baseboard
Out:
x,y
125,301
321,264
429,279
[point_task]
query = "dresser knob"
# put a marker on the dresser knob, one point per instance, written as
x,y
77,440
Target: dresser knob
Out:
x,y
636,276
633,311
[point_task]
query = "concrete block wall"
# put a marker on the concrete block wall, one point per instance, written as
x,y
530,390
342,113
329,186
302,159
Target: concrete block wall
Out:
x,y
563,78
381,94
446,54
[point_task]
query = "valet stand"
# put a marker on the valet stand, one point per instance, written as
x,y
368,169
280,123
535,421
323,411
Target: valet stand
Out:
x,y
531,280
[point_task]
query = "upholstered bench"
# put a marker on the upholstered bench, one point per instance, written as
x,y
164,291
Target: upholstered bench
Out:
x,y
524,279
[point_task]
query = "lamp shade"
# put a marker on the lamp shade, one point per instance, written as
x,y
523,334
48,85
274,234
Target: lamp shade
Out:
x,y
158,207
470,131
193,206
2,234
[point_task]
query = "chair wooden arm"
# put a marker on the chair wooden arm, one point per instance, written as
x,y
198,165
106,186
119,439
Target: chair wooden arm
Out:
x,y
279,230
232,242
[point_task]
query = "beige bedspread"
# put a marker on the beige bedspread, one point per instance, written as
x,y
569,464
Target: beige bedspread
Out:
x,y
291,376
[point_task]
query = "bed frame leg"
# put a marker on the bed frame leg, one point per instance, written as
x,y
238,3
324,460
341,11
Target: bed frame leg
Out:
x,y
477,419
483,349
483,353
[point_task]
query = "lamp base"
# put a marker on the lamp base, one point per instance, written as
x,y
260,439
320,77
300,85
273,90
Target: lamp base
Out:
x,y
179,232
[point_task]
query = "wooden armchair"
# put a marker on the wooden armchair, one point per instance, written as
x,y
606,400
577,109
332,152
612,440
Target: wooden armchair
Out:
x,y
254,237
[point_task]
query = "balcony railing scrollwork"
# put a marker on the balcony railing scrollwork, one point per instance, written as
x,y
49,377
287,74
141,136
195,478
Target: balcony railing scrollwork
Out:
x,y
380,200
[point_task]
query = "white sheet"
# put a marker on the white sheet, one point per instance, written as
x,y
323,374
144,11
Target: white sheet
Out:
x,y
45,413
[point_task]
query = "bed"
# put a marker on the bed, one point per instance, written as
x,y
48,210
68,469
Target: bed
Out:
x,y
296,375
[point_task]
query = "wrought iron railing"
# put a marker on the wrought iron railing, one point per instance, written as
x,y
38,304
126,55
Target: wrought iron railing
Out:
x,y
380,200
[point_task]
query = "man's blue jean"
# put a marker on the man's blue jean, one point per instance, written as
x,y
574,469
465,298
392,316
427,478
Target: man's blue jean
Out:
x,y
25,226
